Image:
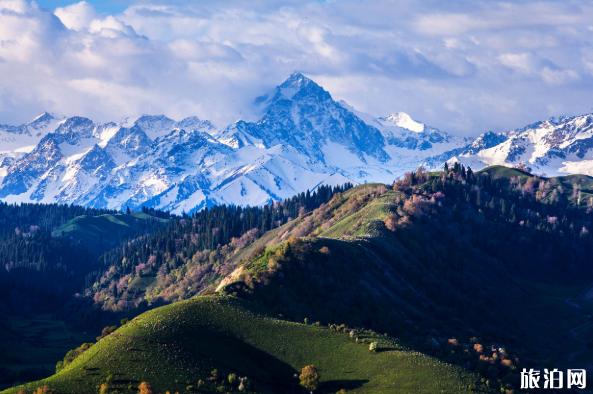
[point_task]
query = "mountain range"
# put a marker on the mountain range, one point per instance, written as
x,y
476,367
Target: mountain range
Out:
x,y
303,139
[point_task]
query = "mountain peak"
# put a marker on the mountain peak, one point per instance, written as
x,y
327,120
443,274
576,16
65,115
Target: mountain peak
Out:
x,y
296,80
297,86
405,121
45,116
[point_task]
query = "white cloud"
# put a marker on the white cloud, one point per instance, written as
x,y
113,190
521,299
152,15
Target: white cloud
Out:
x,y
465,67
76,16
110,27
559,77
523,62
529,64
203,51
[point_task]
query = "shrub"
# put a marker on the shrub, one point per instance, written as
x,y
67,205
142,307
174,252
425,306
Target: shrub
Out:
x,y
70,356
43,390
309,377
123,322
325,250
106,331
507,363
373,346
214,373
189,388
391,223
245,383
232,378
336,200
258,252
145,388
104,389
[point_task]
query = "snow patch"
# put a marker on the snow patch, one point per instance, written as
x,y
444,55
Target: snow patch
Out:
x,y
403,120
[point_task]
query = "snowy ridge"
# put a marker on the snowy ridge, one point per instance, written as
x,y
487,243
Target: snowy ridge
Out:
x,y
303,139
554,147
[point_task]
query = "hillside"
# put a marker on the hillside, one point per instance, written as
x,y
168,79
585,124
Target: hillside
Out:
x,y
105,231
418,263
484,270
568,190
177,346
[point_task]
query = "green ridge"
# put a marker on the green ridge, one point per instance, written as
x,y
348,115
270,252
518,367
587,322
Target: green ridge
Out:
x,y
178,345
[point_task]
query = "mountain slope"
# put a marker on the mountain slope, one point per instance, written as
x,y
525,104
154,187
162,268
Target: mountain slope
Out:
x,y
421,263
303,115
178,346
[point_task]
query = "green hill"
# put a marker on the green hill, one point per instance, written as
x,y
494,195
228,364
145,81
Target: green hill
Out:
x,y
104,231
178,345
570,190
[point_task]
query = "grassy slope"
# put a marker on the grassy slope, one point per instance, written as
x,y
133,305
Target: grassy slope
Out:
x,y
276,236
392,269
89,229
174,346
271,237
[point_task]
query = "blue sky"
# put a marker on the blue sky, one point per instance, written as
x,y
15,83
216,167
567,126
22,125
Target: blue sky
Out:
x,y
462,66
108,6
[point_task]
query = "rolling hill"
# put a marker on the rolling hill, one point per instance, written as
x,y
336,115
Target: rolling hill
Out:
x,y
176,347
105,231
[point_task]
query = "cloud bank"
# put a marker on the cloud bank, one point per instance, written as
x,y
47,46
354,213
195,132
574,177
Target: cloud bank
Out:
x,y
464,67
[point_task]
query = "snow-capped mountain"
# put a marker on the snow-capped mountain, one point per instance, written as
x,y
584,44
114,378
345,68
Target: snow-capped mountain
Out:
x,y
553,147
303,139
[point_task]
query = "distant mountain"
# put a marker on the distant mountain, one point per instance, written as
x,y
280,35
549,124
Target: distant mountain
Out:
x,y
555,147
303,139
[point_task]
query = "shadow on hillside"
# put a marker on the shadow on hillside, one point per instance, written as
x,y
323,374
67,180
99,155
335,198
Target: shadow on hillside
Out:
x,y
126,381
388,349
333,386
246,360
